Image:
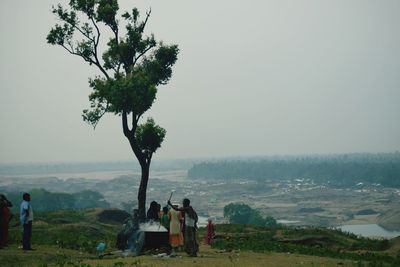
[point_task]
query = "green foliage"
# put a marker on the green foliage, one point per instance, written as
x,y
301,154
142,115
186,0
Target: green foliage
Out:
x,y
149,136
43,200
146,62
270,221
106,12
69,216
89,199
51,201
239,213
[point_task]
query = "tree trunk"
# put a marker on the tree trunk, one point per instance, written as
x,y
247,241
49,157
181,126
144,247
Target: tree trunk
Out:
x,y
144,164
142,192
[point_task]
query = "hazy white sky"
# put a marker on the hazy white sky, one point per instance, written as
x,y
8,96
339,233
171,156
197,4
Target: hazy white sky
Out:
x,y
252,78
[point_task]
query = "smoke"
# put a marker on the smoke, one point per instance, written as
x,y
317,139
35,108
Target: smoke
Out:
x,y
152,227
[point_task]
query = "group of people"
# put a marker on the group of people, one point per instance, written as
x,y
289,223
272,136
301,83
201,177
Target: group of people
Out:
x,y
26,218
181,223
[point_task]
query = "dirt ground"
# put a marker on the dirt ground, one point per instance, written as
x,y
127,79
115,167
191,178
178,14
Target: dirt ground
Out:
x,y
217,258
53,256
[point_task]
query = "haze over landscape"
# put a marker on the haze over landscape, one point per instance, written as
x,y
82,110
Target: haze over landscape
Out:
x,y
252,78
282,128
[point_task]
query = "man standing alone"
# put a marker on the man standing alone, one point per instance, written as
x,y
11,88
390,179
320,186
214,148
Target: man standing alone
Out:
x,y
26,218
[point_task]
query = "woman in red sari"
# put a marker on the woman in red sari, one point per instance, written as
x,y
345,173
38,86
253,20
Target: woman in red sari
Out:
x,y
210,232
5,216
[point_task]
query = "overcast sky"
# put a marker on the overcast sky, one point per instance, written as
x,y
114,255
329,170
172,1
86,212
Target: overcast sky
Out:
x,y
252,78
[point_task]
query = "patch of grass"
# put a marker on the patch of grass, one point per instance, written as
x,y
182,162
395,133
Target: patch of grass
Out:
x,y
62,216
308,241
42,256
79,233
69,238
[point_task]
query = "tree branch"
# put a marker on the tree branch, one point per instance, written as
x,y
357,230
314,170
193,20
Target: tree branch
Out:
x,y
135,120
149,158
125,127
138,153
116,36
141,54
95,44
100,116
130,135
97,63
79,29
87,59
71,51
145,21
83,33
98,32
119,66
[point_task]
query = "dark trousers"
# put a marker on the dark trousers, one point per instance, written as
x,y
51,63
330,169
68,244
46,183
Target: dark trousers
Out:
x,y
190,240
26,235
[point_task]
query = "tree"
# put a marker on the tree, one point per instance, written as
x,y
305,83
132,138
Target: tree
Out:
x,y
89,199
131,67
240,213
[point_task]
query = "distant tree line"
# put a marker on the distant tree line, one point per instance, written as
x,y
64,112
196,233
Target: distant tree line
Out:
x,y
86,167
342,170
43,200
76,167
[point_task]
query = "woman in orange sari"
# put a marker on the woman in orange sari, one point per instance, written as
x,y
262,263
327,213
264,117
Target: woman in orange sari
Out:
x,y
175,233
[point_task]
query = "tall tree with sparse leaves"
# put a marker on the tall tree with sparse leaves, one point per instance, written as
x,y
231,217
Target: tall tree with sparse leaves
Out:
x,y
131,68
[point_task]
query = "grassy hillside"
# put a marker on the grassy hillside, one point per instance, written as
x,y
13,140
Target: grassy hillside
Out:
x,y
308,241
68,238
390,220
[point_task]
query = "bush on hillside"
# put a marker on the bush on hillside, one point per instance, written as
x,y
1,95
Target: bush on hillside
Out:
x,y
239,213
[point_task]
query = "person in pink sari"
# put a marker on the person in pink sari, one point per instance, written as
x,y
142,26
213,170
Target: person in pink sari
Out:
x,y
210,232
5,217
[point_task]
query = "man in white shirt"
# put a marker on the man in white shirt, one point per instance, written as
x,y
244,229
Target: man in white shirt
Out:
x,y
26,218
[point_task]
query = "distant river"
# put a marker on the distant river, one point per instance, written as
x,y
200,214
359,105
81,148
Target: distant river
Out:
x,y
369,230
